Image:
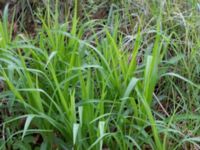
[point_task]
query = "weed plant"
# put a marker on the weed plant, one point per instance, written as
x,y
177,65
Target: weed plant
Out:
x,y
127,81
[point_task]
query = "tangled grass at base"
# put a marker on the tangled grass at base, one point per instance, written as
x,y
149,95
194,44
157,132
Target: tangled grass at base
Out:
x,y
129,80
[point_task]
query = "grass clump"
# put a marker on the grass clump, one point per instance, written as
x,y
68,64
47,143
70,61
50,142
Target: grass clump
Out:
x,y
123,80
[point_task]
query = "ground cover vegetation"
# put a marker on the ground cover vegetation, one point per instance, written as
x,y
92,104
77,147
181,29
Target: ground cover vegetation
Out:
x,y
89,74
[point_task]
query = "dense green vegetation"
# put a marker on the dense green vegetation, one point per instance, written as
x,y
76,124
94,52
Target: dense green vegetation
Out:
x,y
100,75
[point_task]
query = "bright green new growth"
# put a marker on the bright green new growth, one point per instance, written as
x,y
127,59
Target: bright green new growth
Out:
x,y
82,92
